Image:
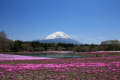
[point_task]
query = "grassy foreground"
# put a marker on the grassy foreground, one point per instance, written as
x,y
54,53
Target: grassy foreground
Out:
x,y
107,68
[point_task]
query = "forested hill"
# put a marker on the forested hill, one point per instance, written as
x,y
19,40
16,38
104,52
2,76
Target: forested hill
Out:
x,y
7,45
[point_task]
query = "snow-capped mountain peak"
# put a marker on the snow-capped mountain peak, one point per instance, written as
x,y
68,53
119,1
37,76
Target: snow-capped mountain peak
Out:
x,y
58,35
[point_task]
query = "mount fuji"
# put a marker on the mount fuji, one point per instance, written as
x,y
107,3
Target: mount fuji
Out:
x,y
59,37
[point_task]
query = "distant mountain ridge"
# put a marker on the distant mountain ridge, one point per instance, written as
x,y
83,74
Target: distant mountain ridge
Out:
x,y
108,42
59,37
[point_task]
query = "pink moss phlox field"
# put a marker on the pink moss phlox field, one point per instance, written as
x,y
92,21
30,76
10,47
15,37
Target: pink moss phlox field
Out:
x,y
105,52
41,66
7,57
97,68
63,69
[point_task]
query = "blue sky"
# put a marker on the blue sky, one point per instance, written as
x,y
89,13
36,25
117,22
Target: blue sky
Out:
x,y
88,21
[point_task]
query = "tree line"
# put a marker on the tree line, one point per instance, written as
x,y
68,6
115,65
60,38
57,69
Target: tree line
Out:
x,y
7,45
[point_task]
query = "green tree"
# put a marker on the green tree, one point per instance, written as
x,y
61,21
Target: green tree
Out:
x,y
17,46
4,42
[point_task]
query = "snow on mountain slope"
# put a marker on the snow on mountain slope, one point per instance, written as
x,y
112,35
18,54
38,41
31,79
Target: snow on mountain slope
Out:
x,y
58,35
